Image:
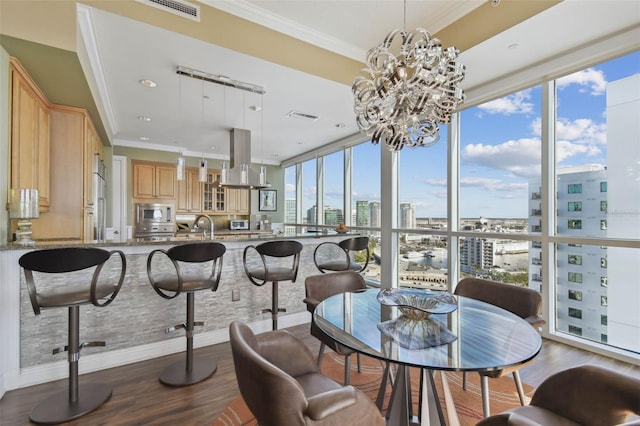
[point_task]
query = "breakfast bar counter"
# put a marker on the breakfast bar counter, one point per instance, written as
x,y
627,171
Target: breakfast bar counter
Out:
x,y
134,324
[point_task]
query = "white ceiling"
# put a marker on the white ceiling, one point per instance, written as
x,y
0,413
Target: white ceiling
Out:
x,y
193,116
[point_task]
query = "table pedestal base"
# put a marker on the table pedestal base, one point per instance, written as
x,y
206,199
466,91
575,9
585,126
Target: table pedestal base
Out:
x,y
400,410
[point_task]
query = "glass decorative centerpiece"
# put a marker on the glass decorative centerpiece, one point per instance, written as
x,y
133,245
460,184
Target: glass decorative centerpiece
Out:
x,y
418,304
418,327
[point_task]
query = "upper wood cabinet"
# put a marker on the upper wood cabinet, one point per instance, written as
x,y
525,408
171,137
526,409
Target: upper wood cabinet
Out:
x,y
30,123
189,192
237,201
154,180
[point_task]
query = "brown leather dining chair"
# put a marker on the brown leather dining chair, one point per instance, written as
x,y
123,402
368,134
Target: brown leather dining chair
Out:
x,y
318,288
187,276
522,301
586,395
269,268
282,385
332,257
49,289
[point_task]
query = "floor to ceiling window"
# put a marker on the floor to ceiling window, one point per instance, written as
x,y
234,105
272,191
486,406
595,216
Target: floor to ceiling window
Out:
x,y
598,200
569,228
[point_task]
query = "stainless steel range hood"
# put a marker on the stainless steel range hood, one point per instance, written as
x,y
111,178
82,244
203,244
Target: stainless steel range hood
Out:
x,y
240,173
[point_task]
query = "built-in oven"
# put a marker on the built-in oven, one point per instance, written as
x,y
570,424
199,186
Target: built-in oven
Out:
x,y
155,220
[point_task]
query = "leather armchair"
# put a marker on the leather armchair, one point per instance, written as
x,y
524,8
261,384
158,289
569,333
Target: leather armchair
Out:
x,y
586,395
318,288
282,385
522,301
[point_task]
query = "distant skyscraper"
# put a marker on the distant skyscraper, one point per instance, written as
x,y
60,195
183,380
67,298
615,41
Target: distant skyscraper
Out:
x,y
333,216
362,213
311,215
290,210
374,214
407,215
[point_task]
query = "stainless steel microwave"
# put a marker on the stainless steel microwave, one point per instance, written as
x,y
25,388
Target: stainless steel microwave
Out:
x,y
155,213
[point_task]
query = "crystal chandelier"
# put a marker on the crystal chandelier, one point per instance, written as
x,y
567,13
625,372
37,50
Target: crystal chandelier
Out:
x,y
401,98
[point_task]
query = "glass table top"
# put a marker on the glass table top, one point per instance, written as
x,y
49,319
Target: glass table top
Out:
x,y
476,336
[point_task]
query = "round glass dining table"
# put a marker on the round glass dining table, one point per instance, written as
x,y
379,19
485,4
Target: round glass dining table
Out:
x,y
476,336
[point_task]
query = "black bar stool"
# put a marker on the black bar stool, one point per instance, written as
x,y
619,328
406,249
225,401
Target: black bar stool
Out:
x,y
171,285
345,250
273,271
79,399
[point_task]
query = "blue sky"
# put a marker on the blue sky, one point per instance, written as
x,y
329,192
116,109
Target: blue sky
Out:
x,y
500,150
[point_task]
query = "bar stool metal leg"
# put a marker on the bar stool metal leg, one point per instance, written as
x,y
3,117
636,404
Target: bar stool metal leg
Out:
x,y
192,370
78,400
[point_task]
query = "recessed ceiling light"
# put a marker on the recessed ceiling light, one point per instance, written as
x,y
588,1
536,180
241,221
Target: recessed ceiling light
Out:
x,y
300,142
513,46
214,148
148,83
144,138
255,108
143,118
341,125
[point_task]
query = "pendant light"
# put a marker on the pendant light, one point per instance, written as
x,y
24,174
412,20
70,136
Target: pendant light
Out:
x,y
202,171
180,167
224,169
263,169
180,161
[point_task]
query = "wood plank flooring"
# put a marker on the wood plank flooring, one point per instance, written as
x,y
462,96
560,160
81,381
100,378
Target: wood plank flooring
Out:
x,y
140,399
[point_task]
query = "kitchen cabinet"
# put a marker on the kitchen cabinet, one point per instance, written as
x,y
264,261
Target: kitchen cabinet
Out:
x,y
237,200
29,135
74,141
190,192
214,198
154,180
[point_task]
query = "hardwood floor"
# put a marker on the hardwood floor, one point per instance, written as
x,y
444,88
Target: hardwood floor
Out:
x,y
140,399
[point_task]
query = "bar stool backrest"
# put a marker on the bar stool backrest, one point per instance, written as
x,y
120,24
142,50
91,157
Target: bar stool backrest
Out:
x,y
200,252
279,248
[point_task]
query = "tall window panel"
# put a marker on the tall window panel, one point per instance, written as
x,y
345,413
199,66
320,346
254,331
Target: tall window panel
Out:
x,y
309,190
500,164
422,186
365,198
598,197
290,185
334,211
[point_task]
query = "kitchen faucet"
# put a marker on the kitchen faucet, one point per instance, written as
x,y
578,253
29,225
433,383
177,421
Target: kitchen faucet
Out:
x,y
200,216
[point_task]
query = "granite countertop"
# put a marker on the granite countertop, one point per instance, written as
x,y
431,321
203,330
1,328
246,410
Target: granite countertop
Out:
x,y
249,235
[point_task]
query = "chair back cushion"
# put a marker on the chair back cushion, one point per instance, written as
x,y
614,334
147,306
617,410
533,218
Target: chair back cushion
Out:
x,y
62,260
355,243
522,301
197,252
590,395
283,248
274,397
319,287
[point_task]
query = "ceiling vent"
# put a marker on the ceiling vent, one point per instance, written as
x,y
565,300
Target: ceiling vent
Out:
x,y
177,7
298,114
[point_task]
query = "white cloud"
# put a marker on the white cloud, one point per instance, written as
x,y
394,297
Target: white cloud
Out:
x,y
516,103
521,157
583,131
590,80
289,187
436,182
491,184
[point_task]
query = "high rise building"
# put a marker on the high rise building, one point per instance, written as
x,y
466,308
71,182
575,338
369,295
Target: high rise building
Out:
x,y
290,210
333,216
362,213
311,215
407,215
374,214
476,255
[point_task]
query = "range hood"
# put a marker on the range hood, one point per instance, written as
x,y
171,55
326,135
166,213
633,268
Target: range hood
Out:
x,y
240,174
